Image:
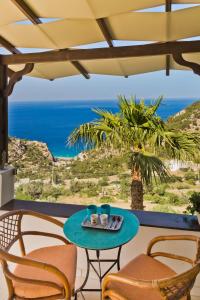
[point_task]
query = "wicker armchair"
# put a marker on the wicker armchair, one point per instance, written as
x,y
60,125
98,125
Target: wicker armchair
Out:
x,y
45,273
147,278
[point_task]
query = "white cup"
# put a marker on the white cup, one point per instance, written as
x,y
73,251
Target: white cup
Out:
x,y
94,219
104,219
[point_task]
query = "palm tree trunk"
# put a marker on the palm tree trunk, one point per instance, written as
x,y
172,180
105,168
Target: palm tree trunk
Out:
x,y
136,191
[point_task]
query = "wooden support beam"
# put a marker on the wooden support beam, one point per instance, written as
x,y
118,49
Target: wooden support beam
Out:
x,y
3,116
107,35
81,69
168,58
168,5
168,8
25,9
104,29
181,61
102,53
28,12
8,46
17,76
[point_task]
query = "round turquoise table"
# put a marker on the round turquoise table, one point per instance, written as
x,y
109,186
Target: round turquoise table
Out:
x,y
97,239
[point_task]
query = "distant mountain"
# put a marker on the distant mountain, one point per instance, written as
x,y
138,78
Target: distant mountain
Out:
x,y
187,119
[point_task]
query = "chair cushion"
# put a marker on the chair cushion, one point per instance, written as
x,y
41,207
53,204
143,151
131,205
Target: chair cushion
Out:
x,y
142,267
63,257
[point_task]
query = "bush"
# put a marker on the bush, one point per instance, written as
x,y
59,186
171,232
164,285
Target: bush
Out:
x,y
124,188
160,189
88,188
190,175
51,192
160,199
149,197
175,199
194,203
181,186
103,181
191,181
106,199
30,191
174,178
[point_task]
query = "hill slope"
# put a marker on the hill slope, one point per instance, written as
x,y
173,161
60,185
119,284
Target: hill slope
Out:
x,y
30,158
187,119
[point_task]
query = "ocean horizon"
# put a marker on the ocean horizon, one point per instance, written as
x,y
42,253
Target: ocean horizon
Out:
x,y
51,122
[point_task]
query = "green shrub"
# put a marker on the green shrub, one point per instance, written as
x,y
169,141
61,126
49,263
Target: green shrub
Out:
x,y
194,201
190,175
160,199
191,181
103,181
125,188
106,199
174,178
160,189
149,197
51,193
174,199
181,186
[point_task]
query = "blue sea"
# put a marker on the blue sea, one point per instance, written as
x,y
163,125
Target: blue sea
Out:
x,y
52,121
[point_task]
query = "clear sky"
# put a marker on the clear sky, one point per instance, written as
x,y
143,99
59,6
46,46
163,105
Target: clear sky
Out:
x,y
179,84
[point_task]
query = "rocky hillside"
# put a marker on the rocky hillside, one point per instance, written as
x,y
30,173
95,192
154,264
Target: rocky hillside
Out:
x,y
29,157
187,119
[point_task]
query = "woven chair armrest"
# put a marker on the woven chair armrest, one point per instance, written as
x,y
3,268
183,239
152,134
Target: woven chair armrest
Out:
x,y
44,266
46,234
128,280
171,238
43,217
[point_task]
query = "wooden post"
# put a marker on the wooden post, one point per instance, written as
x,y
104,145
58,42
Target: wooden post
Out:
x,y
3,116
168,8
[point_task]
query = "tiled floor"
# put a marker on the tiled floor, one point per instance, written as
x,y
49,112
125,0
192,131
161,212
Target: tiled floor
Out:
x,y
92,283
96,296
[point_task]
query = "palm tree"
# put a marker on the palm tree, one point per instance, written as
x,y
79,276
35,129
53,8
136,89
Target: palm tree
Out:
x,y
136,128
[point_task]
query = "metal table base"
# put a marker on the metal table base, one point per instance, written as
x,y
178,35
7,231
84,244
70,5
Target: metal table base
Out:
x,y
90,264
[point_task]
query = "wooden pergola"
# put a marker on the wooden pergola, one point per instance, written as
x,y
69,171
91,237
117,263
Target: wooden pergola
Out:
x,y
170,49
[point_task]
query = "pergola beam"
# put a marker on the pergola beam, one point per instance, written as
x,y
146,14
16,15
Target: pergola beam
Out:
x,y
81,69
32,17
108,37
25,9
168,8
168,5
8,46
103,53
104,29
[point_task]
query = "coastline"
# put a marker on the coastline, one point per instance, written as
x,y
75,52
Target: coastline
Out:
x,y
55,120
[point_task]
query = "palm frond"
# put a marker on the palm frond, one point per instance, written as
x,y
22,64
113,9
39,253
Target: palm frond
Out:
x,y
150,168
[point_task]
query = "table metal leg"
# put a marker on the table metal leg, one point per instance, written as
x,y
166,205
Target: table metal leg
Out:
x,y
118,258
90,264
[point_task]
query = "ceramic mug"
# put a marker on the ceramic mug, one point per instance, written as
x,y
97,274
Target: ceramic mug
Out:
x,y
91,209
94,219
104,219
105,209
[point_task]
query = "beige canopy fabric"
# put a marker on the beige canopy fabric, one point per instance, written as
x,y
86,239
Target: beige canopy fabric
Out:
x,y
72,23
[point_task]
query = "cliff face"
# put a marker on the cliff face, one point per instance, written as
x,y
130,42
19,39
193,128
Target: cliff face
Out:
x,y
29,157
188,119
